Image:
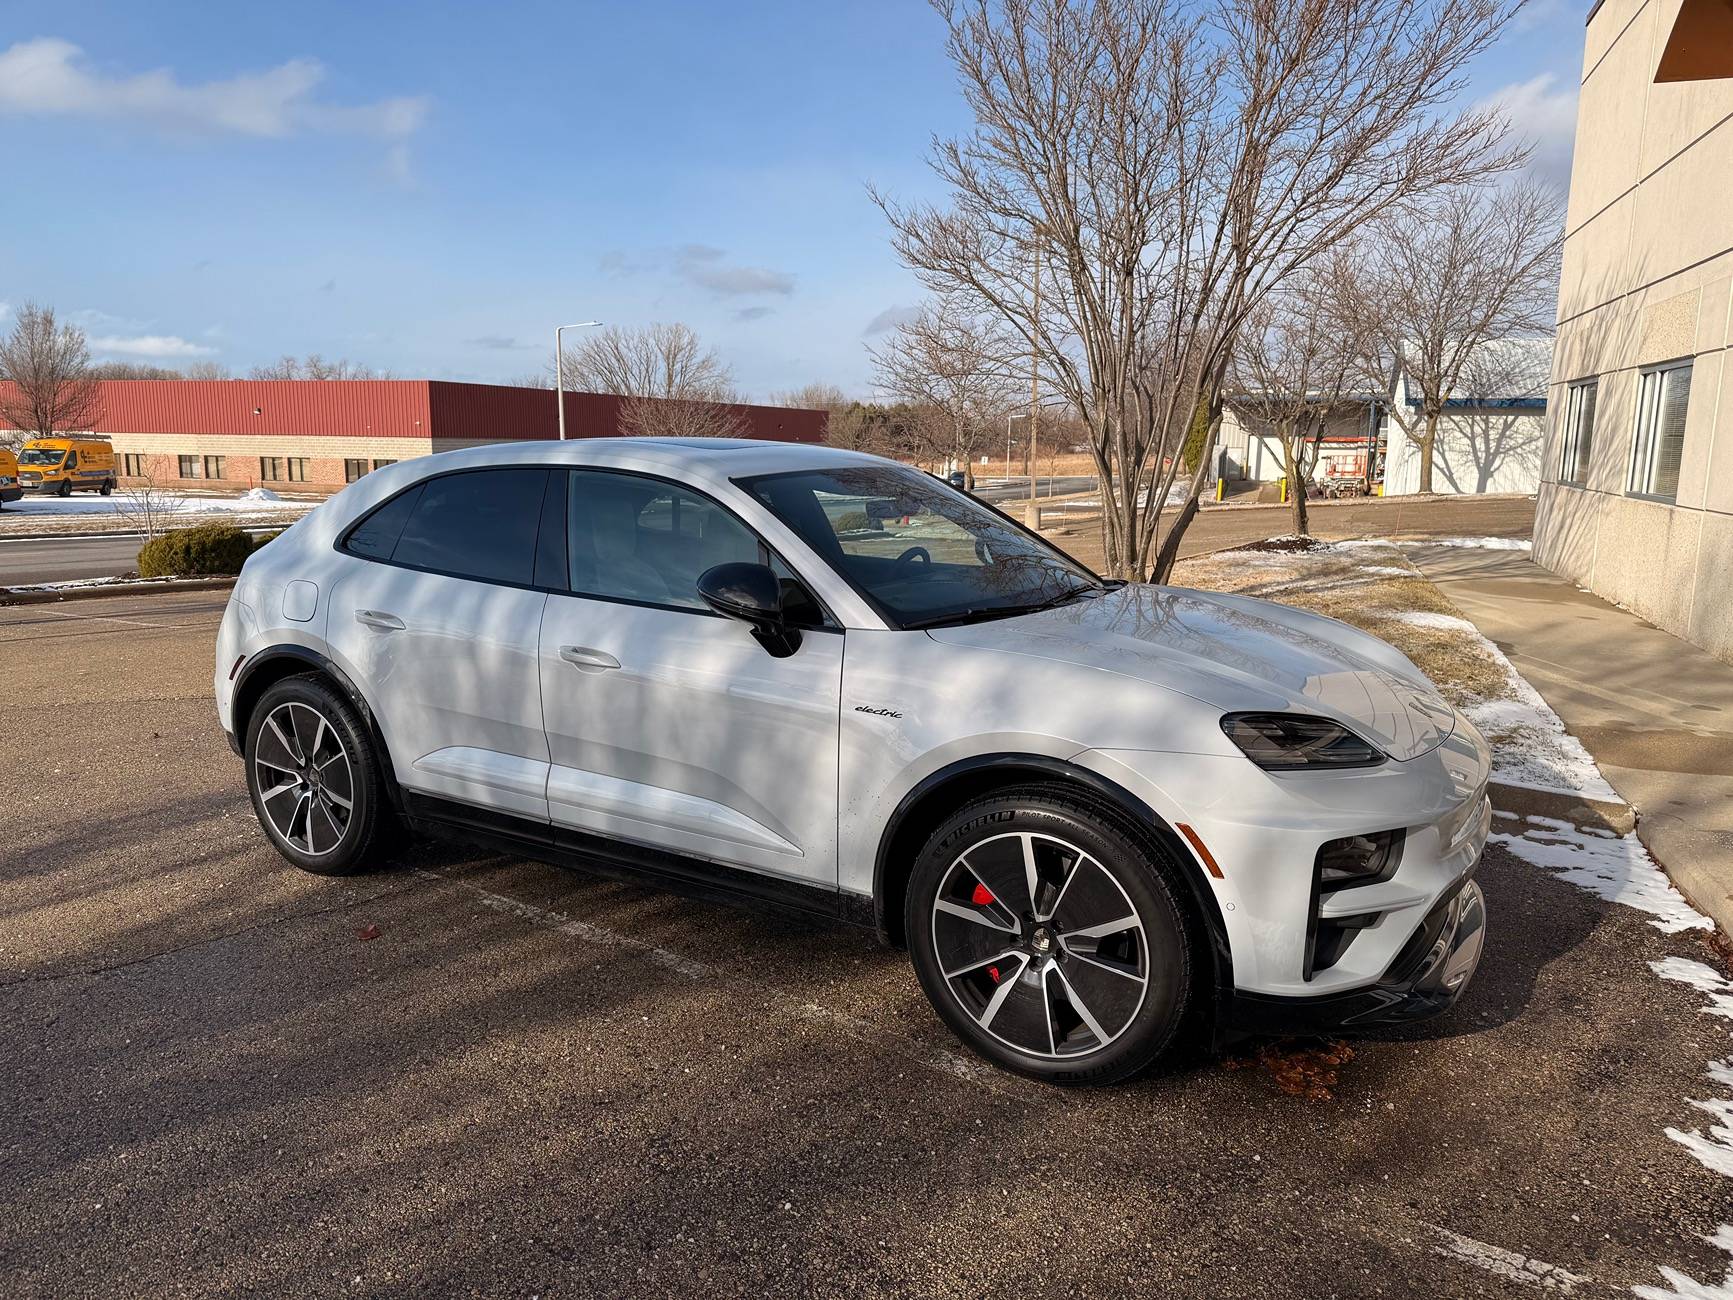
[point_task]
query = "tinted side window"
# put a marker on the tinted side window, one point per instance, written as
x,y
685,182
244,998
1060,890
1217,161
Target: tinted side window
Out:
x,y
375,537
477,525
636,539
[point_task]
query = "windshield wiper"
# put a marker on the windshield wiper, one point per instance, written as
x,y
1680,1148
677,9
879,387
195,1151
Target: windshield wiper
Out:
x,y
981,614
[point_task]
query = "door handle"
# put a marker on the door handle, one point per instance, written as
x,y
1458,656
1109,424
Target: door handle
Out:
x,y
588,660
379,620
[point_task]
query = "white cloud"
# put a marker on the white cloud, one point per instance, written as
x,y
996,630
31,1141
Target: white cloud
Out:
x,y
1546,118
889,319
49,77
156,346
705,267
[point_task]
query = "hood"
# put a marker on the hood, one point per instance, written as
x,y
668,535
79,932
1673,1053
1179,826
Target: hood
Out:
x,y
1237,654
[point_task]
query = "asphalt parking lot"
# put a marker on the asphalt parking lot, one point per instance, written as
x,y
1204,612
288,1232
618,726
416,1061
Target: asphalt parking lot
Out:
x,y
531,1082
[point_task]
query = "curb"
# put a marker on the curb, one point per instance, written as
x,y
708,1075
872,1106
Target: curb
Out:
x,y
10,597
1520,801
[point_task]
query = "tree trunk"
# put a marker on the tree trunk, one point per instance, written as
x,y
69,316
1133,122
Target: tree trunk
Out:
x,y
1296,488
1168,552
1426,440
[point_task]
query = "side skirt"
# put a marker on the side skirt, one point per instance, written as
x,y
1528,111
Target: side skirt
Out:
x,y
639,864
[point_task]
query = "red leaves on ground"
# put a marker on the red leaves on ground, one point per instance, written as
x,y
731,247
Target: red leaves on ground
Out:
x,y
1309,1072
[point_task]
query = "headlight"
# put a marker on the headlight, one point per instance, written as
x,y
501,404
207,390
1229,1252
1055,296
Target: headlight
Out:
x,y
1285,742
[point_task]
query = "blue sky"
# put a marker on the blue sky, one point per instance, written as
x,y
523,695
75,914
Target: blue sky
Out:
x,y
432,187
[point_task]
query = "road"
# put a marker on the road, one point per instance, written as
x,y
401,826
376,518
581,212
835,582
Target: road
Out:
x,y
60,559
532,1082
63,559
1002,490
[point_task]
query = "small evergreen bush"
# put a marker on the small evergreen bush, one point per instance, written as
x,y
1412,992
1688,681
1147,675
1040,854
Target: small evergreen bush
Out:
x,y
214,548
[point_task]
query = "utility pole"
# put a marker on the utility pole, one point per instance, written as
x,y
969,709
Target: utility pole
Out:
x,y
560,369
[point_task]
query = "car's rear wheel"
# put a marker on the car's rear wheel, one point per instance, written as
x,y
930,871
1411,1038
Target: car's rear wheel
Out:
x,y
1049,936
108,487
314,777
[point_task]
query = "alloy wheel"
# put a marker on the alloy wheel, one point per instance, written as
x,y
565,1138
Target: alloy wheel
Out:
x,y
1040,945
306,781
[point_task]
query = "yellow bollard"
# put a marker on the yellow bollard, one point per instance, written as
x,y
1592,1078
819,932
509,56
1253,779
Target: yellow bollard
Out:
x,y
1221,489
1284,488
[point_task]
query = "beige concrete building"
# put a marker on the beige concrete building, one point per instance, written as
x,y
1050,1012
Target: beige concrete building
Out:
x,y
1636,499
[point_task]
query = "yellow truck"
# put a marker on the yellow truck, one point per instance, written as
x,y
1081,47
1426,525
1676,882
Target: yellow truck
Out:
x,y
65,465
9,489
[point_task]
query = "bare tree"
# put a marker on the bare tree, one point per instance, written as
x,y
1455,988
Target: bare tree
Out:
x,y
314,366
1289,379
144,501
845,423
1142,173
207,370
953,364
674,386
48,387
1433,290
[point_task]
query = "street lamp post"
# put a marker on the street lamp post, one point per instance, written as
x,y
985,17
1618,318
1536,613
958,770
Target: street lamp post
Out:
x,y
560,369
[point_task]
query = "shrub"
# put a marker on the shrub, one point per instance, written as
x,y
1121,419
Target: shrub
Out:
x,y
259,539
214,548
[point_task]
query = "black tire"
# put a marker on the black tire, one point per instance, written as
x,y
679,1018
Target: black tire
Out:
x,y
316,833
65,488
108,487
1039,1023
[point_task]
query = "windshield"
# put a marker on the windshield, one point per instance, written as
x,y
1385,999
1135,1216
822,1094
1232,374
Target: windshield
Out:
x,y
921,552
40,456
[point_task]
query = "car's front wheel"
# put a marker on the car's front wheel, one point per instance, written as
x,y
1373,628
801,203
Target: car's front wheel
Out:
x,y
315,777
1050,937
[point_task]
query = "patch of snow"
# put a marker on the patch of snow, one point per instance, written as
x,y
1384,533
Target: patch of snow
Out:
x,y
1438,622
1478,543
1618,868
1681,1287
1705,979
1530,745
119,506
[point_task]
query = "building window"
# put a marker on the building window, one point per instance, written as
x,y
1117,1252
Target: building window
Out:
x,y
297,469
270,469
1579,431
1662,396
214,467
132,465
189,466
381,464
353,469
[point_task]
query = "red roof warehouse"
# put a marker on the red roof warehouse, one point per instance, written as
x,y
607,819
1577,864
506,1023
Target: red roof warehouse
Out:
x,y
324,433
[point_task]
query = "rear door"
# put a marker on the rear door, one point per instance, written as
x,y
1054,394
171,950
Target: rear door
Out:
x,y
667,724
439,615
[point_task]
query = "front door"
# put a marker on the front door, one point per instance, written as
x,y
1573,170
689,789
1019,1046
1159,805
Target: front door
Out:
x,y
667,724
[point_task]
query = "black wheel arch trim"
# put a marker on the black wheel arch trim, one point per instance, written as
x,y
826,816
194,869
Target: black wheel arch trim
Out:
x,y
1128,804
309,660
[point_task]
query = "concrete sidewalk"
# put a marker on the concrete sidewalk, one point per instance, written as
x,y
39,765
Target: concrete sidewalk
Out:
x,y
1654,711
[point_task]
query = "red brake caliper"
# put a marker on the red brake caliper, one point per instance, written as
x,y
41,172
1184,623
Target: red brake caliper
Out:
x,y
982,896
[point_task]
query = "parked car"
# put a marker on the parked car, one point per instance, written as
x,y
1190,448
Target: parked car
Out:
x,y
9,489
62,465
1088,809
958,479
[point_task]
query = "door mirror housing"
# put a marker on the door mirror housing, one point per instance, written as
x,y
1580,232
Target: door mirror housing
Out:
x,y
752,594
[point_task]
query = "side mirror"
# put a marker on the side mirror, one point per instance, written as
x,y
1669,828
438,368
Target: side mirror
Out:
x,y
751,594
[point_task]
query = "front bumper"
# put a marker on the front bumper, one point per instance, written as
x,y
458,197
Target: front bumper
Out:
x,y
1427,976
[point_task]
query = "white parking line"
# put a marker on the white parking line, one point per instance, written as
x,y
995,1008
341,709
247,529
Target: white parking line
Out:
x,y
953,1065
1504,1263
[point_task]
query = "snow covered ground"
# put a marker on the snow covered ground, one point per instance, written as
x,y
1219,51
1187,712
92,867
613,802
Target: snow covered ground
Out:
x,y
253,502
